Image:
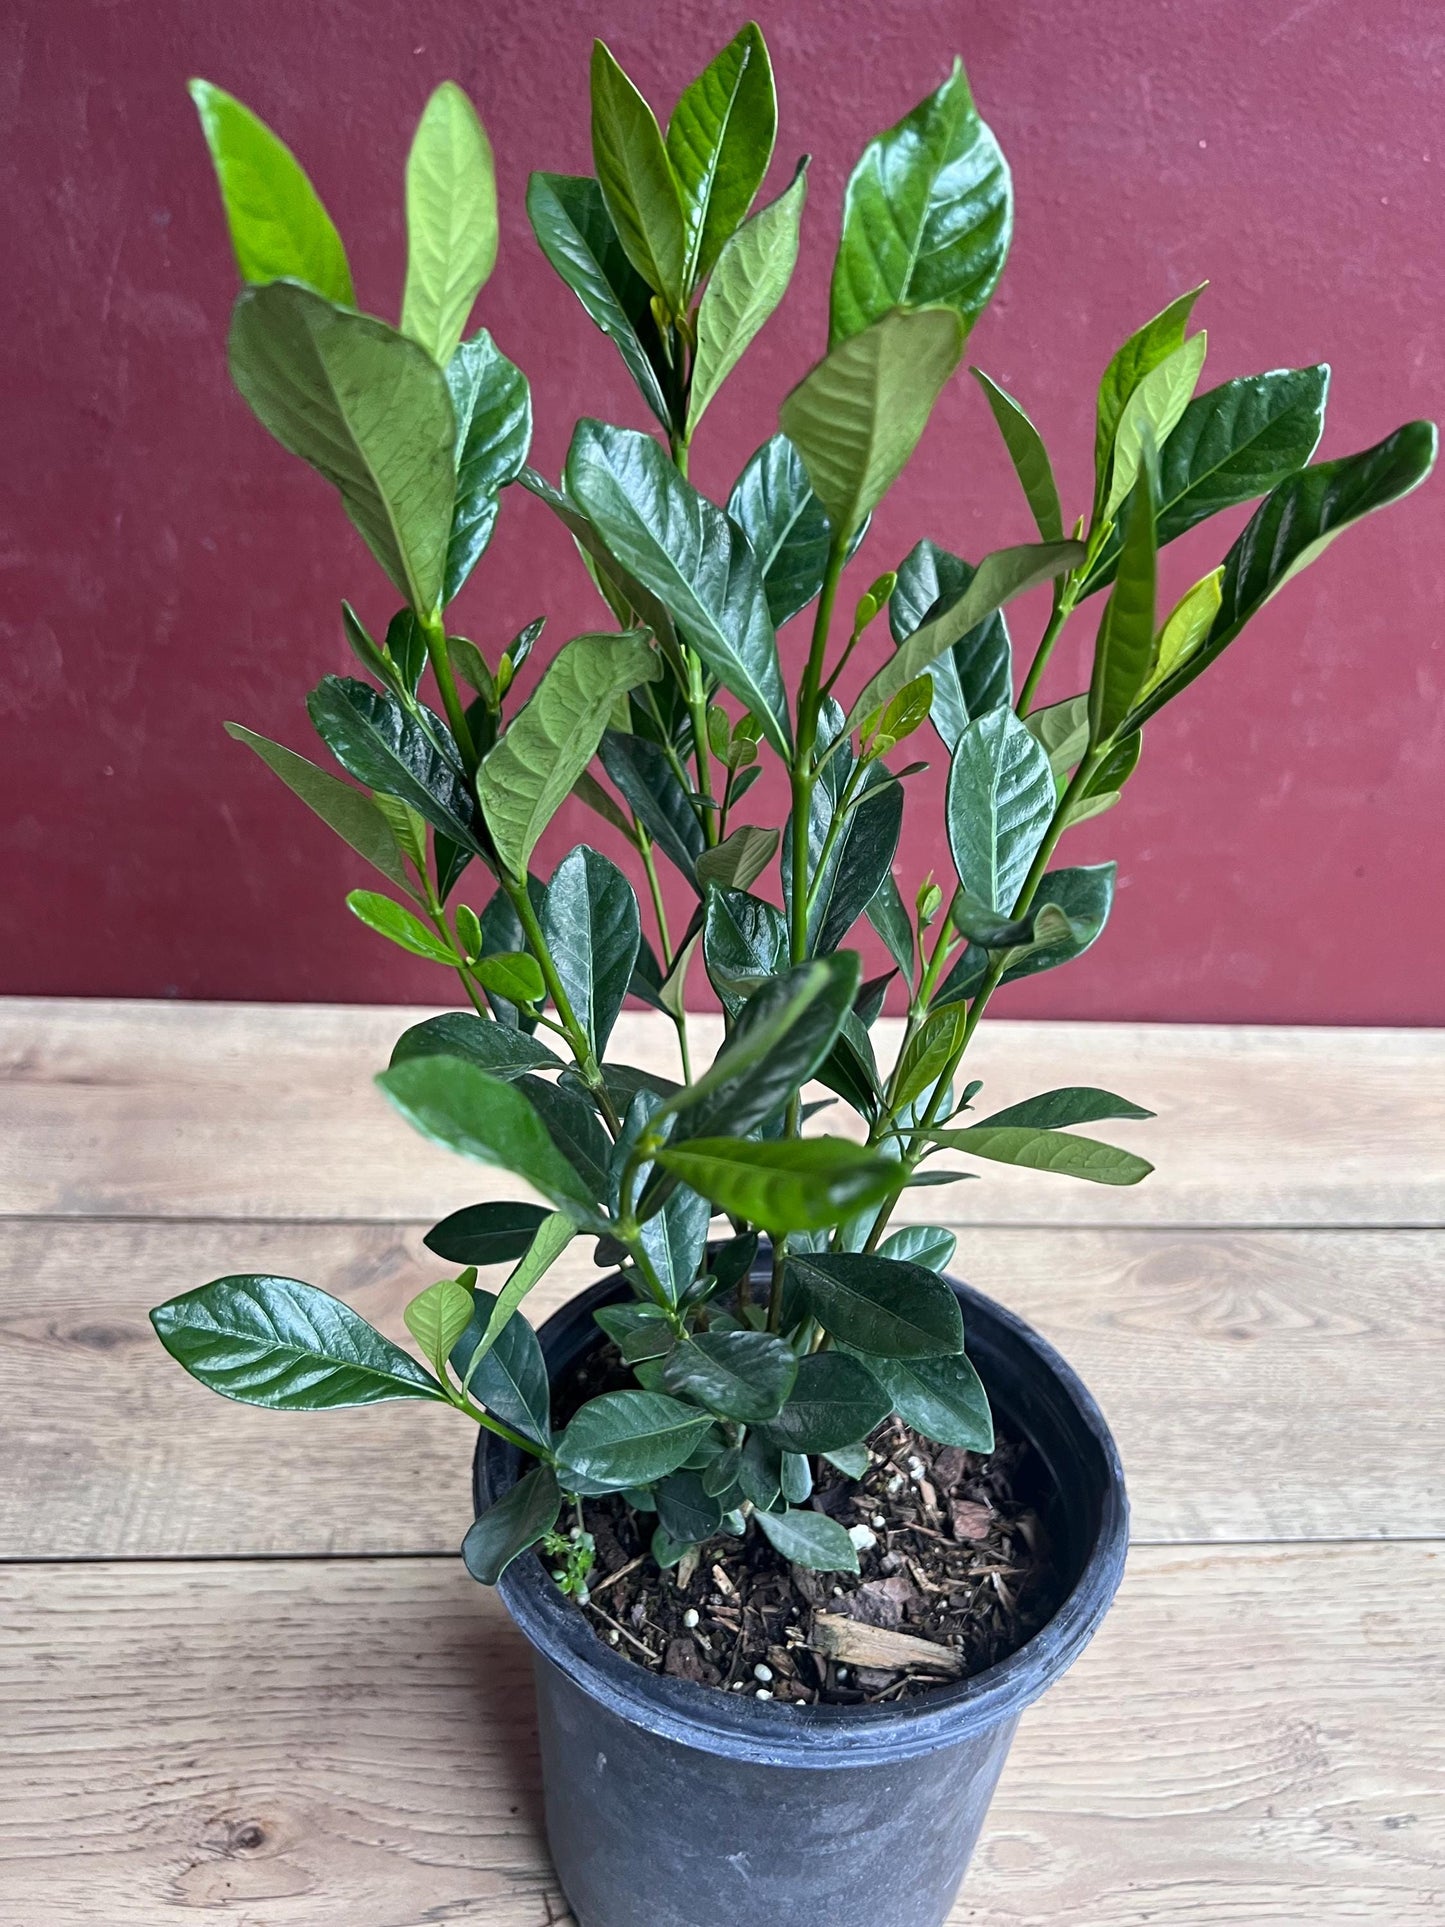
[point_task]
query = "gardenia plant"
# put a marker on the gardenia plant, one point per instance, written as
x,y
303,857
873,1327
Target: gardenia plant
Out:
x,y
804,1321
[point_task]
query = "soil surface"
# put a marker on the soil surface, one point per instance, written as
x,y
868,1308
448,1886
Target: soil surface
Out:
x,y
956,1574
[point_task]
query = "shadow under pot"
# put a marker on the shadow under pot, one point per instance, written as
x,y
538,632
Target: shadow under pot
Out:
x,y
672,1804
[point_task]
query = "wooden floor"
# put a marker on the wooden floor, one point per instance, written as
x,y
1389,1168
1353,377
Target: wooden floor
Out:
x,y
244,1679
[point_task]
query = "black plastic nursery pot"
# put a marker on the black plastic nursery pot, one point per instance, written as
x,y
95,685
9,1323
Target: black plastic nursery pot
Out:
x,y
672,1804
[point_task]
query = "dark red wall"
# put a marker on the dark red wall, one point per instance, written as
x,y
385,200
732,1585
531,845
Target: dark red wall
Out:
x,y
167,566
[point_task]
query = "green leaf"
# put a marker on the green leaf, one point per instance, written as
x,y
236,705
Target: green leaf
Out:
x,y
627,1438
368,409
1073,1104
1124,647
943,1398
351,813
888,1306
793,1184
688,1512
739,859
929,1053
1070,910
1233,443
740,1375
491,1046
593,929
856,417
279,228
890,919
390,920
809,1539
279,1343
720,140
467,1110
927,217
997,579
787,526
493,405
923,1244
976,674
437,1317
686,552
851,1069
861,855
744,942
511,974
1030,458
1044,1150
497,1356
749,281
1185,629
1145,349
574,230
1000,803
1063,730
529,773
451,221
574,1126
1292,527
835,1402
1151,413
526,1514
646,778
637,180
675,1239
495,1233
378,743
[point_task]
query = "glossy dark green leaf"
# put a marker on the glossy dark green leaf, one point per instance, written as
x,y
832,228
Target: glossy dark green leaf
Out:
x,y
509,1377
398,925
856,417
921,1244
494,1047
368,409
742,1375
1044,1150
1063,730
835,1401
720,140
675,1238
1233,443
1082,897
687,553
809,1539
637,179
851,1460
279,229
1124,648
627,1438
739,859
573,1126
943,1398
793,1184
493,406
524,780
851,1069
593,928
976,674
774,505
890,1306
997,579
467,1110
350,812
495,1233
890,919
1000,802
688,1512
1294,525
744,942
378,743
526,1514
451,221
927,217
929,1053
749,281
574,230
648,782
797,1479
283,1344
760,1473
861,857
1030,458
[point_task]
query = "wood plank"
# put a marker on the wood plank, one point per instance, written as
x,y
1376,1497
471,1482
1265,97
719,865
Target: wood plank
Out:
x,y
266,1111
1262,1385
288,1744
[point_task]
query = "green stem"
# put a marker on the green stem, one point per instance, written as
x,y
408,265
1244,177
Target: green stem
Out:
x,y
490,1424
587,1064
437,917
802,772
1063,606
434,630
654,884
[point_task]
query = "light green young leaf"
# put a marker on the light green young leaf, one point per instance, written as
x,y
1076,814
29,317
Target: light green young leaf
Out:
x,y
528,773
1143,351
368,409
638,181
451,221
437,1317
392,921
1029,457
856,417
514,975
928,1053
789,1184
279,229
927,217
720,140
550,1240
1151,414
1063,730
1188,623
350,812
750,279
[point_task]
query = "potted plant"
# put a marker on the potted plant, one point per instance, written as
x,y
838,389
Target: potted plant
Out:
x,y
788,1589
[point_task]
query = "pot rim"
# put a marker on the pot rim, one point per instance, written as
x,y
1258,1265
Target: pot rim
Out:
x,y
774,1732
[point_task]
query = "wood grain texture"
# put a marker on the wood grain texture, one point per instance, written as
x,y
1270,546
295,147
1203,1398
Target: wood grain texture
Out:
x,y
267,1111
297,1745
1263,1385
